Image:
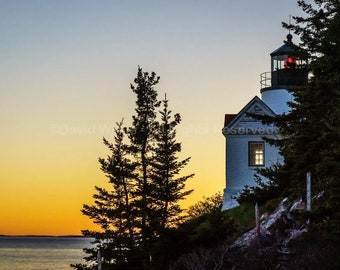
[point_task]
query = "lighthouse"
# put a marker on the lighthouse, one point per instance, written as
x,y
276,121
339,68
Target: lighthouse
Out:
x,y
246,150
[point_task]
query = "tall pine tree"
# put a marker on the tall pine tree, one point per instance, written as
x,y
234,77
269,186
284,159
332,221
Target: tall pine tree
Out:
x,y
167,186
113,210
320,35
167,189
145,188
141,135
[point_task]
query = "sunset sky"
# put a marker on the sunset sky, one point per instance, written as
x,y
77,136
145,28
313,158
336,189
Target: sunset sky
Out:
x,y
65,73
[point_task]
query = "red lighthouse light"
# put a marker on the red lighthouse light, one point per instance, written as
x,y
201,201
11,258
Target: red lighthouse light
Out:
x,y
290,62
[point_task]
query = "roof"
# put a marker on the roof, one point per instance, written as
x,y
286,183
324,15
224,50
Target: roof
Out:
x,y
228,118
284,49
288,48
232,118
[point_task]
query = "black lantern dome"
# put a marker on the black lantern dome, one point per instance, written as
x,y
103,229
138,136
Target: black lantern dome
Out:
x,y
288,67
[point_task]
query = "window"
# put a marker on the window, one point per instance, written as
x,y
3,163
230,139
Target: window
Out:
x,y
256,153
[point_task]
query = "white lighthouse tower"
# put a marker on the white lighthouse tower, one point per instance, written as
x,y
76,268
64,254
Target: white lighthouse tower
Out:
x,y
246,149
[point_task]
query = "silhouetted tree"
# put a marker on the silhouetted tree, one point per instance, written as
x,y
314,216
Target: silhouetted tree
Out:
x,y
316,110
144,191
207,205
113,210
166,188
141,136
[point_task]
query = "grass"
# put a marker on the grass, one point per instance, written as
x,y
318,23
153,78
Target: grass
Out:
x,y
243,216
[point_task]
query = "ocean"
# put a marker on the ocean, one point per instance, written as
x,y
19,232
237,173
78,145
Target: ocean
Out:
x,y
41,253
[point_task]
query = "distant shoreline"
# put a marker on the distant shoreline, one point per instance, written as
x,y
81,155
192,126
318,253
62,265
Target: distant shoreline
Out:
x,y
29,235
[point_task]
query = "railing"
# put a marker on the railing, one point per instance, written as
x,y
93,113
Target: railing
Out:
x,y
284,78
265,79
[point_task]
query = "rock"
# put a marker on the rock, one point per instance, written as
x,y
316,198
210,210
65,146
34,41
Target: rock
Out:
x,y
269,225
245,240
279,225
295,233
298,206
318,196
264,216
276,231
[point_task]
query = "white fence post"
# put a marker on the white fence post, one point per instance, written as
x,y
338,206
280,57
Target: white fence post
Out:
x,y
309,196
99,260
257,219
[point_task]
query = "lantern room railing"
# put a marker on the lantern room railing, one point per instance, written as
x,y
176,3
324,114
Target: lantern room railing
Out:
x,y
266,79
284,78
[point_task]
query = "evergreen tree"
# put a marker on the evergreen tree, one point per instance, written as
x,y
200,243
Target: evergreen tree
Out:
x,y
314,137
144,188
141,135
167,189
166,186
320,35
112,210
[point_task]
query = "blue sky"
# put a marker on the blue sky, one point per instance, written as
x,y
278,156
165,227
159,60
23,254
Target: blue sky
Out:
x,y
65,72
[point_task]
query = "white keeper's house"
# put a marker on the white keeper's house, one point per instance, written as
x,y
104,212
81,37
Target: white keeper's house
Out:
x,y
246,149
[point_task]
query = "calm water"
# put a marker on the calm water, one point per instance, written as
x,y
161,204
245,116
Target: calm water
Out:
x,y
38,253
